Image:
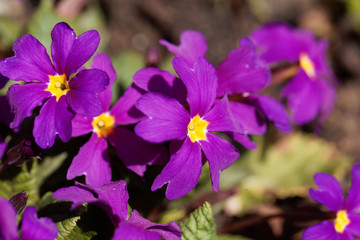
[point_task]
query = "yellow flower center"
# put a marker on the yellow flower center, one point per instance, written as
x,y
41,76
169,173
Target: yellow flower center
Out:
x,y
341,221
307,65
197,129
103,125
58,86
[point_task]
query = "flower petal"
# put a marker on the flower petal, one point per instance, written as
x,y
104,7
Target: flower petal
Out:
x,y
220,154
81,125
30,63
322,231
242,71
192,45
182,172
75,194
134,151
93,162
328,97
329,193
18,97
8,221
201,82
33,227
243,139
354,225
44,130
63,119
156,80
353,199
167,118
131,232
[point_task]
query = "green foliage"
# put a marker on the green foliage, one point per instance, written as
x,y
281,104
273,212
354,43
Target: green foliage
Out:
x,y
50,165
10,30
66,227
199,225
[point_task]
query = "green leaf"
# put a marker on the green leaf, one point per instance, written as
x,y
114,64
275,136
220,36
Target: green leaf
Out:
x,y
66,227
199,225
49,165
77,234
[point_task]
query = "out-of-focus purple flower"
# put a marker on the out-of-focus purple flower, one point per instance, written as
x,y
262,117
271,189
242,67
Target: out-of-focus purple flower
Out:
x,y
113,198
93,160
241,75
18,201
167,119
48,83
310,93
32,227
346,225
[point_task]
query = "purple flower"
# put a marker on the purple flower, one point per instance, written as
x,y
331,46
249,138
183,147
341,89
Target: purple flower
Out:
x,y
93,160
346,225
169,120
32,227
113,198
311,92
48,83
241,75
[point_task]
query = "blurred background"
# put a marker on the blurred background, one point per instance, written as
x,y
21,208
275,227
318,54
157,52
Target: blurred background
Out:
x,y
265,194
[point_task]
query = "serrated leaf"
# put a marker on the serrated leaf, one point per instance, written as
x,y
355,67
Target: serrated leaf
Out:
x,y
77,234
199,225
66,228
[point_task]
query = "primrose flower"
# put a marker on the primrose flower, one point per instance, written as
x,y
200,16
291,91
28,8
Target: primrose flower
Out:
x,y
241,75
113,198
346,224
169,120
32,227
311,92
50,84
93,160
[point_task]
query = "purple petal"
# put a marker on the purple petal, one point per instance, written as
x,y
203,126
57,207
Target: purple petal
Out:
x,y
220,118
353,199
274,111
18,97
81,51
322,231
329,193
182,172
220,155
3,80
81,125
74,194
328,97
8,221
156,80
192,45
354,225
3,146
201,82
93,162
103,62
84,88
63,38
30,63
243,139
170,231
277,42
242,72
44,125
63,119
134,151
33,227
124,110
131,232
167,118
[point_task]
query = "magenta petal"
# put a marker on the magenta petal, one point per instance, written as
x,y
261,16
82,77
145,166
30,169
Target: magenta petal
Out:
x,y
220,155
31,61
182,172
220,118
81,125
83,48
353,199
242,72
354,225
18,97
131,232
322,231
134,151
329,193
44,125
3,146
124,110
156,80
201,77
93,162
63,38
192,45
74,194
33,227
328,98
63,119
168,119
8,221
243,139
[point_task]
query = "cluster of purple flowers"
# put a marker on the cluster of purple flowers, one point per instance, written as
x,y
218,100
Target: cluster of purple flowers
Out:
x,y
183,110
